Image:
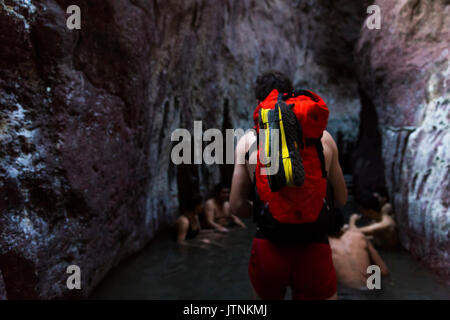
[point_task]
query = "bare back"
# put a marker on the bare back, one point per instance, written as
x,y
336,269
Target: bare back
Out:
x,y
351,258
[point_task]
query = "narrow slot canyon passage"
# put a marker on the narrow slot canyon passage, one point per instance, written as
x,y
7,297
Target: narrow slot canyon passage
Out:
x,y
87,118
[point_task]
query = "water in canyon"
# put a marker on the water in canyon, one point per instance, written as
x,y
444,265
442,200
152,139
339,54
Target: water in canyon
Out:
x,y
166,270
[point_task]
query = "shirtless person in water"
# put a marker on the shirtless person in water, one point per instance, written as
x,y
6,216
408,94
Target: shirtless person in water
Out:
x,y
382,230
352,253
217,210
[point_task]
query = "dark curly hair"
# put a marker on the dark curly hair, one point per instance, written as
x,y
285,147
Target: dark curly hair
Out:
x,y
271,80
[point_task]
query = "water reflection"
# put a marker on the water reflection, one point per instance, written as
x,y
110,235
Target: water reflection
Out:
x,y
165,270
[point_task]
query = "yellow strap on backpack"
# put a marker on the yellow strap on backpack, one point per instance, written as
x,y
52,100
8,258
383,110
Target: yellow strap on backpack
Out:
x,y
272,119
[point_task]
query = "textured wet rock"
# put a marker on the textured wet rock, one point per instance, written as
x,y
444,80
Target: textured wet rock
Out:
x,y
404,70
86,116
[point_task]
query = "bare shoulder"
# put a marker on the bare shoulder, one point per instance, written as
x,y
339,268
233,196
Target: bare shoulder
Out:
x,y
356,236
210,203
387,208
245,142
388,220
327,139
182,221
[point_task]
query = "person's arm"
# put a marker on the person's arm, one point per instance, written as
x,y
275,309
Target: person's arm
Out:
x,y
209,215
377,226
238,221
352,221
241,183
377,260
203,231
235,219
182,229
240,188
335,175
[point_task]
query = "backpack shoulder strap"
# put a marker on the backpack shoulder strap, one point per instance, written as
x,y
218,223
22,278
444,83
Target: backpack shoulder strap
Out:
x,y
319,147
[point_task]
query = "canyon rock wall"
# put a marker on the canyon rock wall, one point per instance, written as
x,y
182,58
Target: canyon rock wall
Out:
x,y
2,288
404,71
86,116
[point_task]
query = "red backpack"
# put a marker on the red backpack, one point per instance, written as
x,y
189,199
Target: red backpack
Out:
x,y
301,198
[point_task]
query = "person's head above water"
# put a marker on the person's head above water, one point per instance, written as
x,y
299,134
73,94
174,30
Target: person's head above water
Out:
x,y
269,81
194,205
381,194
221,192
369,206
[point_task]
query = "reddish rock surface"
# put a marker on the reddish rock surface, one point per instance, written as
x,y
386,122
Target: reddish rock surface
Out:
x,y
404,70
86,116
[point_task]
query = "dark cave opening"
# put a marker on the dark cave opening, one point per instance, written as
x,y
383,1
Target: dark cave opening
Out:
x,y
366,158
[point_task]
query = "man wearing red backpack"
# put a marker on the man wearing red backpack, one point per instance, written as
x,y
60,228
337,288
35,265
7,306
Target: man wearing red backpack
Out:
x,y
290,205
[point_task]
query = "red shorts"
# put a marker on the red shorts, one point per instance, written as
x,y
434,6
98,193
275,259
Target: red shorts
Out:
x,y
306,268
